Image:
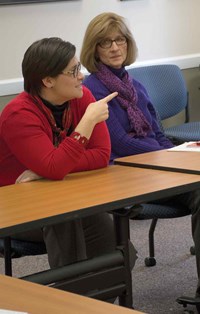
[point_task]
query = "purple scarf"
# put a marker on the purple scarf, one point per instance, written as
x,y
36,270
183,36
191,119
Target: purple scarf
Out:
x,y
127,97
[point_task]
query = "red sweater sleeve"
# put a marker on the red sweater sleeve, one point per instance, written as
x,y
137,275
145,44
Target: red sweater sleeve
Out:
x,y
28,137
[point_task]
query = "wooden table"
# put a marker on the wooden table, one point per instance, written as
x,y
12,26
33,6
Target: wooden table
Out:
x,y
186,162
35,204
19,295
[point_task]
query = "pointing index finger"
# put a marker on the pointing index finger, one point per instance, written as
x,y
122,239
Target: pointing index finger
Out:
x,y
109,97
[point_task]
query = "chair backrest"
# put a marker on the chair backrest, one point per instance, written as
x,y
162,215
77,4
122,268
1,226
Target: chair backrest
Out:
x,y
166,87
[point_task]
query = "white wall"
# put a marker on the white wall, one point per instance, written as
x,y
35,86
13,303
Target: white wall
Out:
x,y
162,28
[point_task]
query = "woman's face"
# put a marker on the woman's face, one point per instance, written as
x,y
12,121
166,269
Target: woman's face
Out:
x,y
65,86
115,55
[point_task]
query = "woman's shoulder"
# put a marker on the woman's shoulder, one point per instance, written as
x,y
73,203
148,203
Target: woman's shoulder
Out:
x,y
91,80
17,104
98,89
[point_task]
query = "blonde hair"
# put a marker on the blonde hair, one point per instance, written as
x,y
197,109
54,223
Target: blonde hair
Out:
x,y
97,29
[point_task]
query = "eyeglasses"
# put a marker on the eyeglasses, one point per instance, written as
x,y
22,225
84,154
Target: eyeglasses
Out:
x,y
73,72
107,43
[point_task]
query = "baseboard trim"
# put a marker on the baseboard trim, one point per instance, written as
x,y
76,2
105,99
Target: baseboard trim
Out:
x,y
15,86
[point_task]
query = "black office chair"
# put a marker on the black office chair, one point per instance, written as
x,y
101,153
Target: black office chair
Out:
x,y
155,212
167,90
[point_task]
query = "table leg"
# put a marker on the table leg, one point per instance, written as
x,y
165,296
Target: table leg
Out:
x,y
7,256
121,221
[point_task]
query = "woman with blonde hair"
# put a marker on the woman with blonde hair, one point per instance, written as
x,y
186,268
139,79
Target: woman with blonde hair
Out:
x,y
108,47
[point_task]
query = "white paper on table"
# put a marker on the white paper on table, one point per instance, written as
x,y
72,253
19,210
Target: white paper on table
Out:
x,y
11,312
185,148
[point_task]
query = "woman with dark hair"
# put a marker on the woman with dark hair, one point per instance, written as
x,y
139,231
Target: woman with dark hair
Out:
x,y
108,47
53,128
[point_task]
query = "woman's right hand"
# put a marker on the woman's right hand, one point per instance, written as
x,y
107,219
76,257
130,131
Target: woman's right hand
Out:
x,y
27,176
98,111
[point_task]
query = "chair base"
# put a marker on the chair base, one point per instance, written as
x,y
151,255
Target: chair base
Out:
x,y
184,300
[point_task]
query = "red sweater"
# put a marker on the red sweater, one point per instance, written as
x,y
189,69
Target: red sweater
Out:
x,y
26,142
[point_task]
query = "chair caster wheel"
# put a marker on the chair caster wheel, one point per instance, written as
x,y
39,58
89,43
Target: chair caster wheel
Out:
x,y
192,250
150,261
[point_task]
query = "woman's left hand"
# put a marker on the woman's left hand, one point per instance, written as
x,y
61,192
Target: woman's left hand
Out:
x,y
27,176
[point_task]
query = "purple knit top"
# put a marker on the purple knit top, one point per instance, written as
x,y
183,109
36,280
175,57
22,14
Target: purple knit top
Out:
x,y
119,125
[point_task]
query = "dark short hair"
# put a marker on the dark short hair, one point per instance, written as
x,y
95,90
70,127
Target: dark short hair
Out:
x,y
98,29
45,57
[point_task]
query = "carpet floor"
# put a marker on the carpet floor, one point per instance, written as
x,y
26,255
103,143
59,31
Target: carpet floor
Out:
x,y
156,288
